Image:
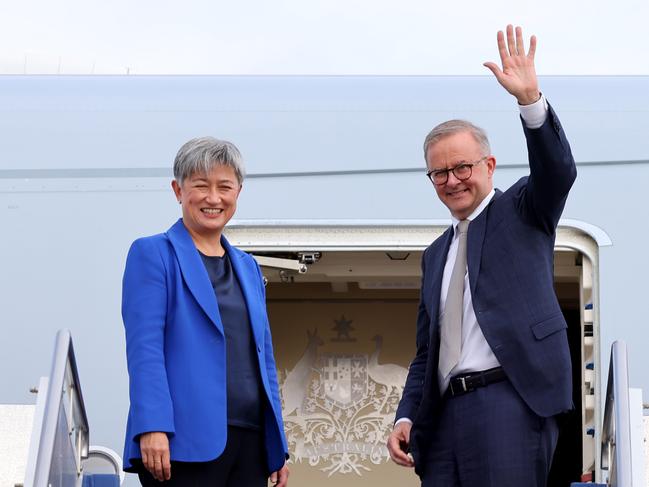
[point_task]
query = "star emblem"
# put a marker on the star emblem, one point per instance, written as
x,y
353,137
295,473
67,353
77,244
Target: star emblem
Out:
x,y
343,327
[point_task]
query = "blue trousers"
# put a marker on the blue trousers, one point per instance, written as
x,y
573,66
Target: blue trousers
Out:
x,y
489,438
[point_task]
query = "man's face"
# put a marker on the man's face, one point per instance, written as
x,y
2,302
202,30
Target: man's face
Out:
x,y
461,197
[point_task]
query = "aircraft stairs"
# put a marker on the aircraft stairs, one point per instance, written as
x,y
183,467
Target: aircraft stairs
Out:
x,y
47,444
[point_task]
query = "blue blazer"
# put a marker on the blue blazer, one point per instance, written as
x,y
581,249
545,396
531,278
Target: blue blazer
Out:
x,y
175,348
510,256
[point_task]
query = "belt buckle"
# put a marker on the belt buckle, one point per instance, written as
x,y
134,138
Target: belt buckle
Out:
x,y
461,390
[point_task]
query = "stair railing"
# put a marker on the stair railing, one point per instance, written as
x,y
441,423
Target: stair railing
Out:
x,y
616,430
60,438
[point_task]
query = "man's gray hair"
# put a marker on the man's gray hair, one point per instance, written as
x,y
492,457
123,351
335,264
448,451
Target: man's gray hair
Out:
x,y
202,154
452,127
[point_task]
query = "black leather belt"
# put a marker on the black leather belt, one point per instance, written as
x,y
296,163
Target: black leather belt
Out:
x,y
461,384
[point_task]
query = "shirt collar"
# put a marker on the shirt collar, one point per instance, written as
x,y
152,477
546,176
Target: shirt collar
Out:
x,y
483,204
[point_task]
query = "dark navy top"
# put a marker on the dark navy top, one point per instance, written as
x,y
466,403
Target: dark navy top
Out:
x,y
243,377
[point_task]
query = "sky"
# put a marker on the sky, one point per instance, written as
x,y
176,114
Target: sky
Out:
x,y
409,37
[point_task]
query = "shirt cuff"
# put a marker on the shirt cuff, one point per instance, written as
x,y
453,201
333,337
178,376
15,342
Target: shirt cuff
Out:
x,y
534,115
403,420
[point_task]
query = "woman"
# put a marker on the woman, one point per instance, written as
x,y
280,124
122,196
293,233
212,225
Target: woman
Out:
x,y
205,407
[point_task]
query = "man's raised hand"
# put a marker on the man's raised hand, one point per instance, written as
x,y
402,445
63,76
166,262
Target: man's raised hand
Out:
x,y
517,75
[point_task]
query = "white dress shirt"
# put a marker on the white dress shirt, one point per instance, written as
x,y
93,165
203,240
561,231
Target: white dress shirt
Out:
x,y
476,354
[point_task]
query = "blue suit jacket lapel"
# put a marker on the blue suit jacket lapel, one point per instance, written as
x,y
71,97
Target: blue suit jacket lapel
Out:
x,y
437,262
248,280
475,238
194,272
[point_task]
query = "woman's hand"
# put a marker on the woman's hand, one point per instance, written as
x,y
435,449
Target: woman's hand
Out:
x,y
280,478
155,454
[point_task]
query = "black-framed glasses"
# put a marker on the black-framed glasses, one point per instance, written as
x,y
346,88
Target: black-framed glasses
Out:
x,y
462,172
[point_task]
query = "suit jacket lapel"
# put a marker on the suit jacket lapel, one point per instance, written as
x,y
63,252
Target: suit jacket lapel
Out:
x,y
249,287
475,238
194,272
437,262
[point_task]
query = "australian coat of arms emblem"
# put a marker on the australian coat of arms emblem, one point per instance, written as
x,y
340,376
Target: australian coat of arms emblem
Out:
x,y
339,408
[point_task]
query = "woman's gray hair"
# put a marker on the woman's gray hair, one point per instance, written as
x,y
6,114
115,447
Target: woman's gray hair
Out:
x,y
202,154
452,127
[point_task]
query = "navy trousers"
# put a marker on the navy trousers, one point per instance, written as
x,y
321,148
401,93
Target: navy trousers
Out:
x,y
242,464
490,438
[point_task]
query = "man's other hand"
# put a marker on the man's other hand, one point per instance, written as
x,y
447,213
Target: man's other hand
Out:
x,y
518,75
398,444
155,454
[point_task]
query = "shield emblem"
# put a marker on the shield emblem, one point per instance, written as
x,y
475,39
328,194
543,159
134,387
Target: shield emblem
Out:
x,y
343,378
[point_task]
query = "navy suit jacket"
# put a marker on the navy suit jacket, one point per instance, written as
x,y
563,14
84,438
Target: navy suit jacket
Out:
x,y
510,254
175,347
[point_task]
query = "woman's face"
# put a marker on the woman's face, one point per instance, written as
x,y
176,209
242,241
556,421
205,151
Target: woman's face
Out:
x,y
208,200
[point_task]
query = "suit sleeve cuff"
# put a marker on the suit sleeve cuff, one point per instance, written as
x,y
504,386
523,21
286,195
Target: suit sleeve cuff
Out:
x,y
534,115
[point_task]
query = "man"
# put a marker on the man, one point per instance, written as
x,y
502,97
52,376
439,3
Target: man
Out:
x,y
492,368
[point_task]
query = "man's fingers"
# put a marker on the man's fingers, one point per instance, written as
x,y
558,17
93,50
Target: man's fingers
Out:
x,y
398,443
520,44
273,478
532,50
502,48
511,45
399,456
493,67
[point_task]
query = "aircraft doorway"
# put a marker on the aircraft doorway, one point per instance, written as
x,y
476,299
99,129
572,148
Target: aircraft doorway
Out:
x,y
344,334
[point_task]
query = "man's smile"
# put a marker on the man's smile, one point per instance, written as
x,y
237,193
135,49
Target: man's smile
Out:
x,y
457,193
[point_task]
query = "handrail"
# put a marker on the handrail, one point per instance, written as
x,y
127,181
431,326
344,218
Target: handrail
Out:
x,y
616,430
64,423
